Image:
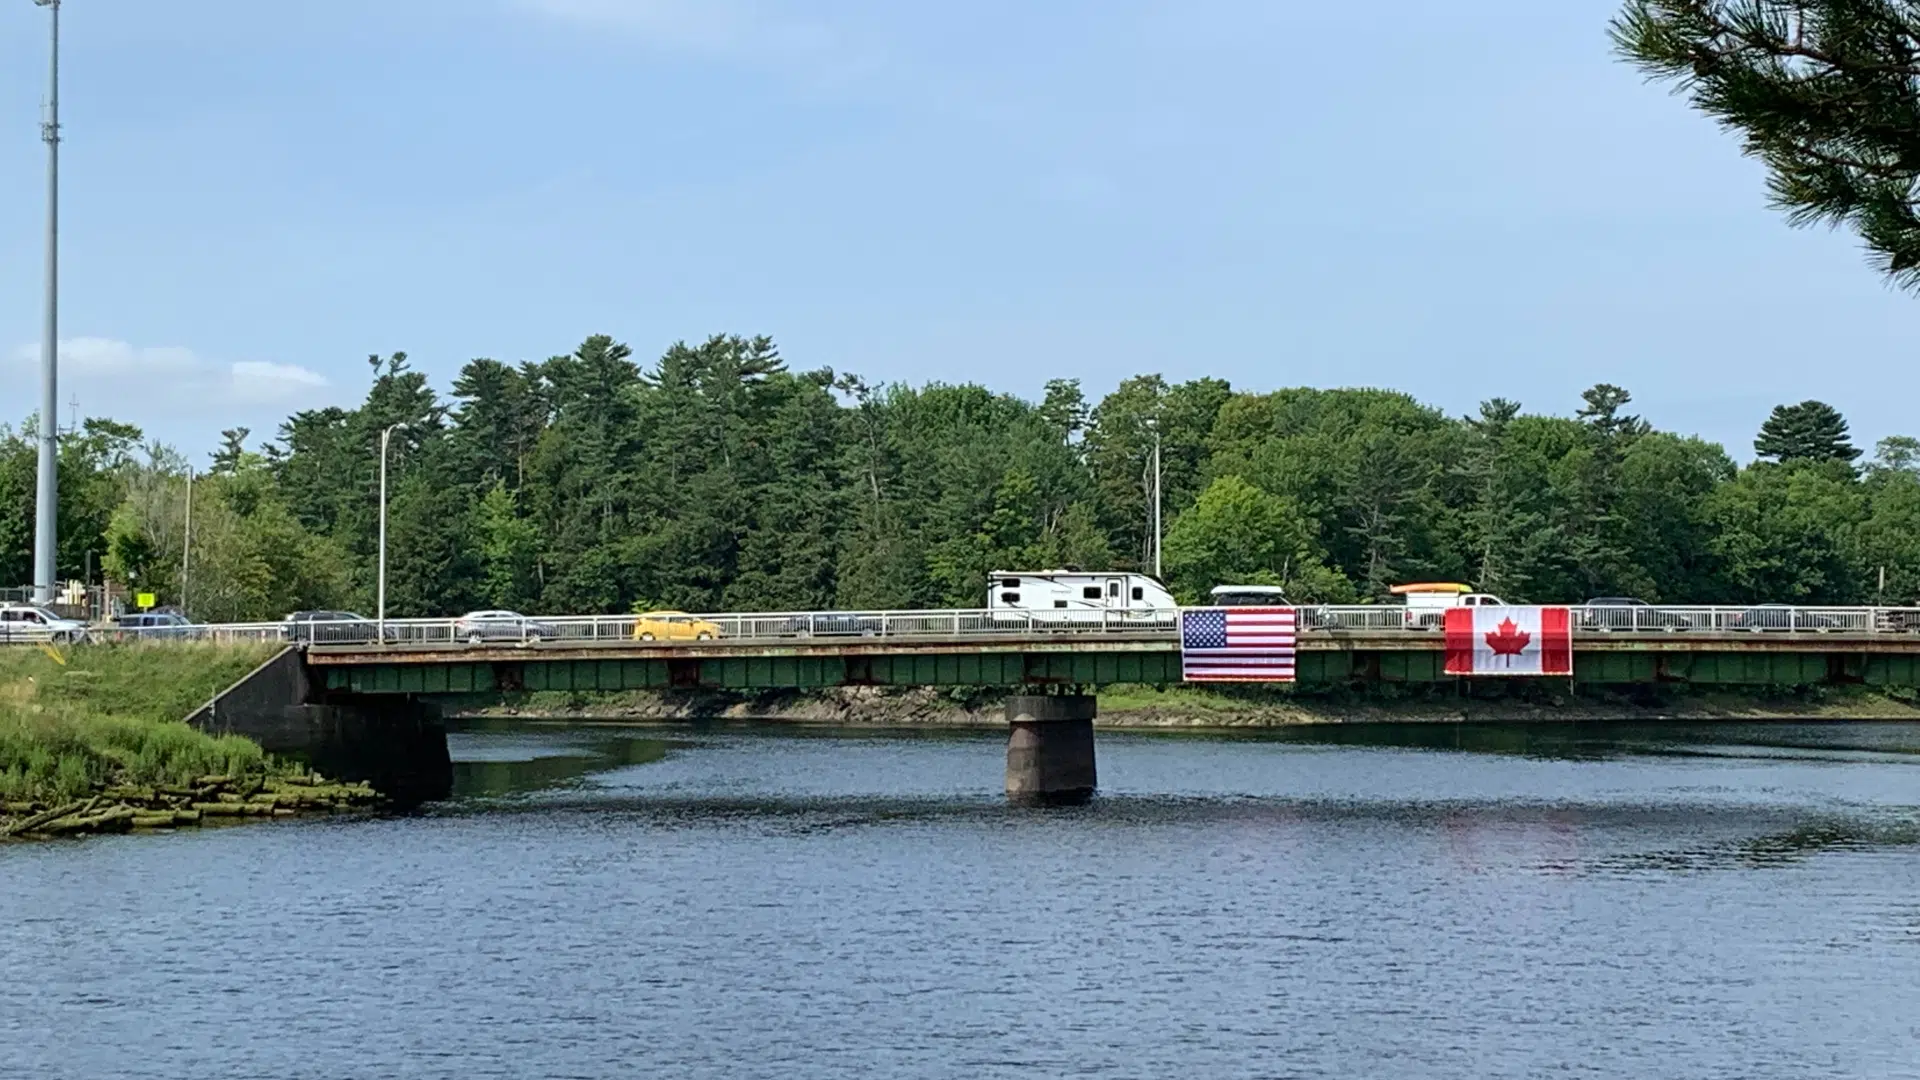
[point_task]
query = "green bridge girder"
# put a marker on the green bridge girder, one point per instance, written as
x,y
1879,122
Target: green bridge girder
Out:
x,y
369,675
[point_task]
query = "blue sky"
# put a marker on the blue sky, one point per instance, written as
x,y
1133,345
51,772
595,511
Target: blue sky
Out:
x,y
1459,201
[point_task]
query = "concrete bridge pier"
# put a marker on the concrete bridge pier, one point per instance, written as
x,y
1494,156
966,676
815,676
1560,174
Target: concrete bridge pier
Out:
x,y
1050,749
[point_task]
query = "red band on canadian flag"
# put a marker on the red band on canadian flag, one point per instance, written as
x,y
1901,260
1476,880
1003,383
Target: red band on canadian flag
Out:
x,y
1513,640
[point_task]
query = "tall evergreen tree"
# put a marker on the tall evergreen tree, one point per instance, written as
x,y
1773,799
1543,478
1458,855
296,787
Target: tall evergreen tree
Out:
x,y
1809,431
233,451
1507,530
1592,523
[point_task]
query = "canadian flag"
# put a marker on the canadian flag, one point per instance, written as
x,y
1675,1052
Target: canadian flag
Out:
x,y
1509,641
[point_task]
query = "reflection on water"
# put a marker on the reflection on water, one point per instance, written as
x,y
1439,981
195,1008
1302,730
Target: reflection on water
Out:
x,y
732,901
1600,741
498,758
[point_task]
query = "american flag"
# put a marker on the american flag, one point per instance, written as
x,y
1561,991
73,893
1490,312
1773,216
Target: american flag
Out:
x,y
1251,644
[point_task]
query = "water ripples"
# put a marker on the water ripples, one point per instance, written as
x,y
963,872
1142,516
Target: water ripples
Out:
x,y
753,903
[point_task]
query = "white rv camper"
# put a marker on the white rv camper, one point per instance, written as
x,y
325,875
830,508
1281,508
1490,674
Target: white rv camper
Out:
x,y
1074,594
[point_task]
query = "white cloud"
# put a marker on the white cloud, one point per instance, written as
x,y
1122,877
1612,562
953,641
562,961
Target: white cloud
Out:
x,y
707,26
107,357
165,389
259,381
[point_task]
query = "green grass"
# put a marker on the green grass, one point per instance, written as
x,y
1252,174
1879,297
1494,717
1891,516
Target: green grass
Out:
x,y
112,714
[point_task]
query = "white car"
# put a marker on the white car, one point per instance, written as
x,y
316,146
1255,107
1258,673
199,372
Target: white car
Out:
x,y
24,623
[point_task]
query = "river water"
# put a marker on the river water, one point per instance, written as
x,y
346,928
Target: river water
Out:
x,y
1734,901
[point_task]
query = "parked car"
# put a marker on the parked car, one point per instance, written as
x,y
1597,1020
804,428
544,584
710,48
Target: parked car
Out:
x,y
1629,613
336,628
151,626
480,627
25,623
673,626
1780,617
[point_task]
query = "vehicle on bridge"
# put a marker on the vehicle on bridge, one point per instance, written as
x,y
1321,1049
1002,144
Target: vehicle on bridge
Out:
x,y
1232,596
26,623
1428,601
482,627
1628,613
152,626
673,626
336,628
1035,592
1781,617
1249,596
829,624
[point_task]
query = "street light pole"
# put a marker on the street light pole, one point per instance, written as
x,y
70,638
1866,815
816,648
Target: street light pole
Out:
x,y
186,545
1157,478
1153,425
380,614
47,493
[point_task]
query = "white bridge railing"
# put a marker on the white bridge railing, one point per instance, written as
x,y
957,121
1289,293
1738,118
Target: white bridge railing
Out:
x,y
981,625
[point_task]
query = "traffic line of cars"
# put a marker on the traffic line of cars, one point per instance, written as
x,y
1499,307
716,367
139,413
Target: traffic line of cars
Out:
x,y
1424,610
26,623
31,624
1426,605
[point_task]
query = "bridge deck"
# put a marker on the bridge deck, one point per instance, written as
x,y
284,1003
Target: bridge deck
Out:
x,y
1119,642
1332,657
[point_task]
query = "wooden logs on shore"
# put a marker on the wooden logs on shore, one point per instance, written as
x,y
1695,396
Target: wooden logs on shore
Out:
x,y
121,807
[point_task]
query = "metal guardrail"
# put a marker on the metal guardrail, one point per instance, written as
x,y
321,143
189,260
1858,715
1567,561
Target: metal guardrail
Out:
x,y
981,625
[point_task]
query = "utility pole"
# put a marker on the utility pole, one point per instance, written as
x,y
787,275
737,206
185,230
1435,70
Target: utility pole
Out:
x,y
47,493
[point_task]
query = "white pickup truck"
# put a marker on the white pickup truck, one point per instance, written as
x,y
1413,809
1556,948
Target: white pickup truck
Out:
x,y
1427,602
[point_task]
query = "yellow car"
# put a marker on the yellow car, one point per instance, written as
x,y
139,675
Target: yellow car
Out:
x,y
673,626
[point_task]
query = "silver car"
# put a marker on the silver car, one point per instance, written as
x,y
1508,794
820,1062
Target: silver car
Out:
x,y
24,623
480,627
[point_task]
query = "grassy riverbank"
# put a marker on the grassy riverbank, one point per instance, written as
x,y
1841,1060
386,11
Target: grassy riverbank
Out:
x,y
79,721
1235,707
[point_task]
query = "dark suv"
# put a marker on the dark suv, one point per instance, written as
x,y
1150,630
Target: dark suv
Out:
x,y
334,628
1629,613
152,626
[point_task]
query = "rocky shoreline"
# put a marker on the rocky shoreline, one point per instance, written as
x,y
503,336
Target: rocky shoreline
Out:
x,y
209,800
1178,709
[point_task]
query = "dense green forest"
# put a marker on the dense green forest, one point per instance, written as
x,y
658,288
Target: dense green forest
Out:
x,y
717,478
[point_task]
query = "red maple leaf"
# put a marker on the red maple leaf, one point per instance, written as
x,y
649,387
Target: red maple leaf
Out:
x,y
1508,639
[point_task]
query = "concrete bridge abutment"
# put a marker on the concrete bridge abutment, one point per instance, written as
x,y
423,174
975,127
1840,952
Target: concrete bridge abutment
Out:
x,y
398,744
1050,758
